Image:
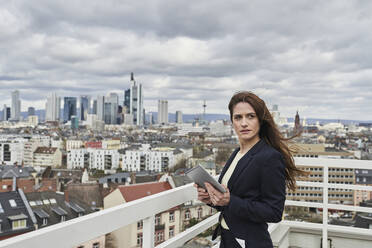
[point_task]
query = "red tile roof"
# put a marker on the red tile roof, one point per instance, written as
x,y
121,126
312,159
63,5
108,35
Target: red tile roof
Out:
x,y
137,191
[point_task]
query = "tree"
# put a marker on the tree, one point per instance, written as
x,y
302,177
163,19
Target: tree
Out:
x,y
223,155
180,164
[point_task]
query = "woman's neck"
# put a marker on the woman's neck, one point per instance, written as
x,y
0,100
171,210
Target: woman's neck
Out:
x,y
247,145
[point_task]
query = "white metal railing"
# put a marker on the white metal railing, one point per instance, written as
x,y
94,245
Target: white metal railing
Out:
x,y
77,231
326,164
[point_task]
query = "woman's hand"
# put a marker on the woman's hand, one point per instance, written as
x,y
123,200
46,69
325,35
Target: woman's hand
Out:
x,y
203,195
216,197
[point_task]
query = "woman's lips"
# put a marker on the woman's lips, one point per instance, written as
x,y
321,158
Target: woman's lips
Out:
x,y
245,131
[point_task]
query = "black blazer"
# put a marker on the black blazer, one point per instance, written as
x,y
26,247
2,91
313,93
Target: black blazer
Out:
x,y
257,194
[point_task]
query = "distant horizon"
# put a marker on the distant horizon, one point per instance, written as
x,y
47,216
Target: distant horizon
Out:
x,y
213,116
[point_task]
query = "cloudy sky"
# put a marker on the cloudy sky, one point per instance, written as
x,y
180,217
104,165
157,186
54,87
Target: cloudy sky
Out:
x,y
312,56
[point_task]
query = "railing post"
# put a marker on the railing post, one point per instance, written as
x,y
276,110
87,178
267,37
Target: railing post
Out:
x,y
149,232
325,207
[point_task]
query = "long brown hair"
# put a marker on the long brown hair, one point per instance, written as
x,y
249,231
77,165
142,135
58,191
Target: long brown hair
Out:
x,y
270,133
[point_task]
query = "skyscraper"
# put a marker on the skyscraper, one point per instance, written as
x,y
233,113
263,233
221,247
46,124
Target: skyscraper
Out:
x,y
84,107
163,112
69,108
113,99
107,112
179,117
94,110
53,107
127,99
6,113
30,111
101,108
16,106
135,101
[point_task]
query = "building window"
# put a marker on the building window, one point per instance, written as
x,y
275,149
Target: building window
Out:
x,y
171,216
159,237
171,231
12,203
139,225
18,224
200,213
45,221
139,239
157,220
63,218
95,245
187,214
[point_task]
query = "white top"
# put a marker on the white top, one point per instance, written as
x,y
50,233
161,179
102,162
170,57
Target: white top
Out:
x,y
226,179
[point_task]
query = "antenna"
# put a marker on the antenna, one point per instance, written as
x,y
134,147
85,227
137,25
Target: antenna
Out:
x,y
204,106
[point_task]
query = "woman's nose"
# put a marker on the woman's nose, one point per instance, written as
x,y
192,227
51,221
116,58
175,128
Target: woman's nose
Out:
x,y
244,122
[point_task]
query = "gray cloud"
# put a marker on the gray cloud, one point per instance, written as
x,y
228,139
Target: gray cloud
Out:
x,y
310,56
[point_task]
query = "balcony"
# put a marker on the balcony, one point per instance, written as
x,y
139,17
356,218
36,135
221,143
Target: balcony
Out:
x,y
284,234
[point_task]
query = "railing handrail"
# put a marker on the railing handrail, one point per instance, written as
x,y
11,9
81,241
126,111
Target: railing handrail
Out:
x,y
74,232
334,163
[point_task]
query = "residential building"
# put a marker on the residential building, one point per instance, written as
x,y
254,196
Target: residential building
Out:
x,y
50,208
162,112
11,151
336,175
33,120
363,177
146,158
29,147
25,178
102,159
122,178
167,223
74,144
93,144
16,218
113,144
47,156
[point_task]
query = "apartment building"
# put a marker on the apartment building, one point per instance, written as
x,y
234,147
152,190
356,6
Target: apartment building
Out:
x,y
11,151
336,175
47,156
167,223
102,159
74,144
146,158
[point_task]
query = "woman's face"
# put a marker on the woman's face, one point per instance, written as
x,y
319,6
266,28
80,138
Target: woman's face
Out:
x,y
245,122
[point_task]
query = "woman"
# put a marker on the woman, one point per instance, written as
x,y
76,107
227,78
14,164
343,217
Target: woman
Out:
x,y
255,176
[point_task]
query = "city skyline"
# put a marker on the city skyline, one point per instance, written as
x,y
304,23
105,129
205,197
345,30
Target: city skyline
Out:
x,y
305,56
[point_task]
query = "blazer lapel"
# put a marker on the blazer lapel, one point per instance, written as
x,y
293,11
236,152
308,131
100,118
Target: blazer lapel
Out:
x,y
227,165
243,163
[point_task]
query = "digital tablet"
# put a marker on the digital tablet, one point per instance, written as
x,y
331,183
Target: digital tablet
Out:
x,y
199,175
